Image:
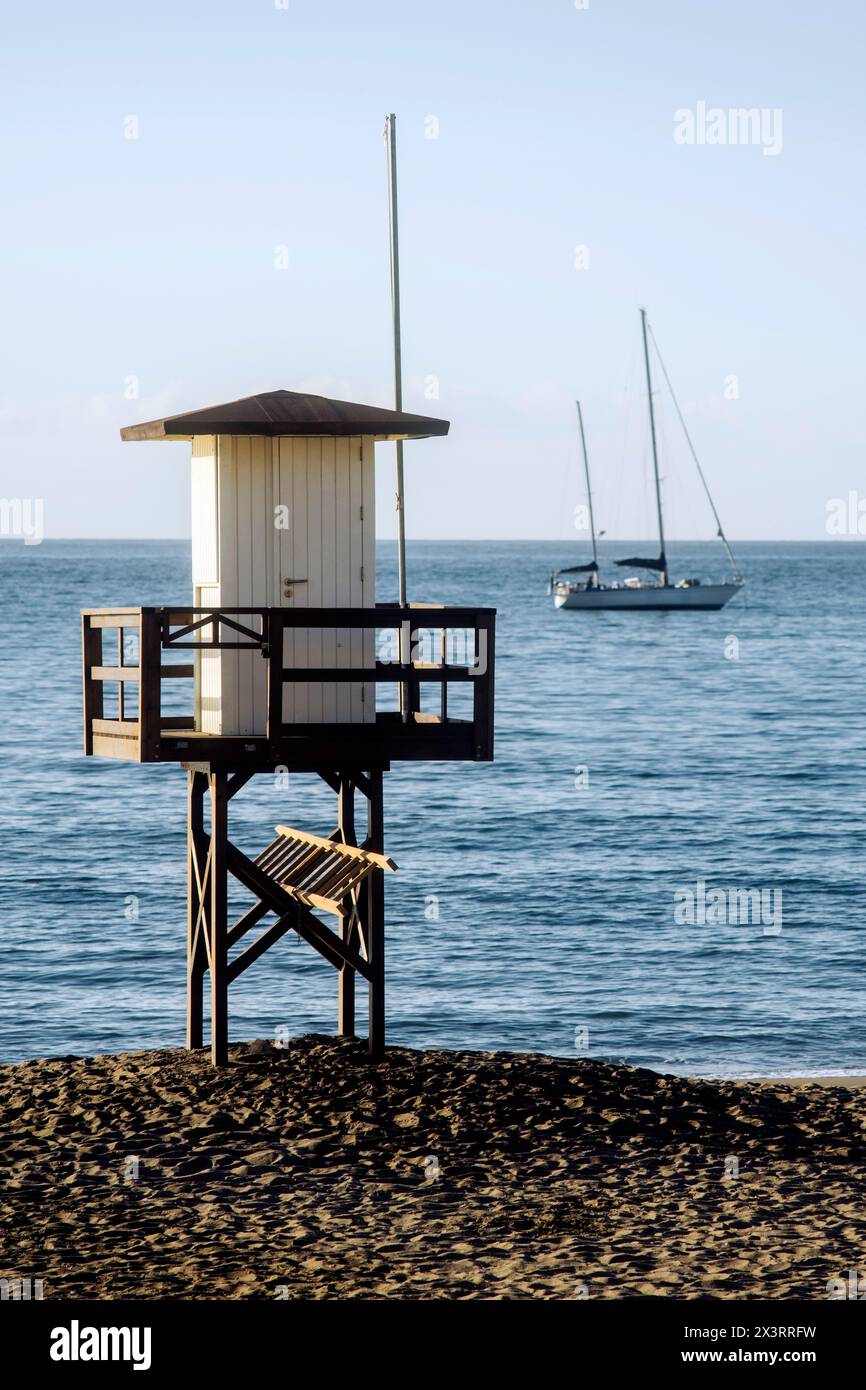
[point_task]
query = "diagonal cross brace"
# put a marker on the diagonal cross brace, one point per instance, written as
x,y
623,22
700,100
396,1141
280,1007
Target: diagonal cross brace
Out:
x,y
260,945
291,915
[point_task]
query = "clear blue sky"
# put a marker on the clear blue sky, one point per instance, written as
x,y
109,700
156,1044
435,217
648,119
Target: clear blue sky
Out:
x,y
260,126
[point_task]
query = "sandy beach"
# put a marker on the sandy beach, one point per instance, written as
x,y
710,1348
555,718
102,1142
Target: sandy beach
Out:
x,y
305,1172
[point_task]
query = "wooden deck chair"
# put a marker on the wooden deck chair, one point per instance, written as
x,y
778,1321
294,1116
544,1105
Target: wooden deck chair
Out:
x,y
319,872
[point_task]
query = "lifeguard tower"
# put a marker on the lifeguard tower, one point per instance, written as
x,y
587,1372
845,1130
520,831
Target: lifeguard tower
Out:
x,y
288,649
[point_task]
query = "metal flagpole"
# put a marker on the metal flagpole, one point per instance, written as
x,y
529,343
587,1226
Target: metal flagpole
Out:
x,y
391,147
391,142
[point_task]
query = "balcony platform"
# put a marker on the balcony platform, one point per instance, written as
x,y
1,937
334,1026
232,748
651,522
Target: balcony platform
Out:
x,y
141,732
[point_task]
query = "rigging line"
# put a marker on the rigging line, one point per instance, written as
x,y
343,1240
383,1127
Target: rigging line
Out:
x,y
722,537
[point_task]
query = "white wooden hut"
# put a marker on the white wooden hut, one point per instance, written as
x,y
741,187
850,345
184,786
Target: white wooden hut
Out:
x,y
284,515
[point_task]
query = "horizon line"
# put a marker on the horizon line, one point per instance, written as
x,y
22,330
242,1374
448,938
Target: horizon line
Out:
x,y
500,540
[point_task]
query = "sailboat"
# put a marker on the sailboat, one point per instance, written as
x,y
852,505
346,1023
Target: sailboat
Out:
x,y
636,592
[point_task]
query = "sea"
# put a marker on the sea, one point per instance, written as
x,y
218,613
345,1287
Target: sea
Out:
x,y
664,865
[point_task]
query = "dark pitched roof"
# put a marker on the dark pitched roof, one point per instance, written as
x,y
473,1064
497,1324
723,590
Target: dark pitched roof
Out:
x,y
289,412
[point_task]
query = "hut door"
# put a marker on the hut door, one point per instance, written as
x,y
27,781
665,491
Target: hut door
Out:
x,y
326,553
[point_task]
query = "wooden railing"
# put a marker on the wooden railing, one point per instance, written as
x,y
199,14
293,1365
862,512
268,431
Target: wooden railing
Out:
x,y
151,736
121,737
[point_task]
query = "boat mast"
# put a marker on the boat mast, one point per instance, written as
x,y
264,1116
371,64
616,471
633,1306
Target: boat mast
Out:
x,y
588,486
649,387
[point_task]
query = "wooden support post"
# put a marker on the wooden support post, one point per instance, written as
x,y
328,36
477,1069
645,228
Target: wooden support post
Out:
x,y
91,642
376,920
197,907
276,642
218,919
348,933
121,685
443,698
211,858
149,685
482,699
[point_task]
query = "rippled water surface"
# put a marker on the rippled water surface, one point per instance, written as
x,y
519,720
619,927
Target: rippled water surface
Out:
x,y
554,887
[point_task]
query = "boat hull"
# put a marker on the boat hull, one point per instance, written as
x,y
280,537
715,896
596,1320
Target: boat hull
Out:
x,y
706,597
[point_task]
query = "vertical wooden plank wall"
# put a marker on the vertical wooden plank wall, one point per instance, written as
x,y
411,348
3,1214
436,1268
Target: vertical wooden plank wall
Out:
x,y
368,560
328,543
313,530
328,487
206,575
299,697
248,535
346,462
327,540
